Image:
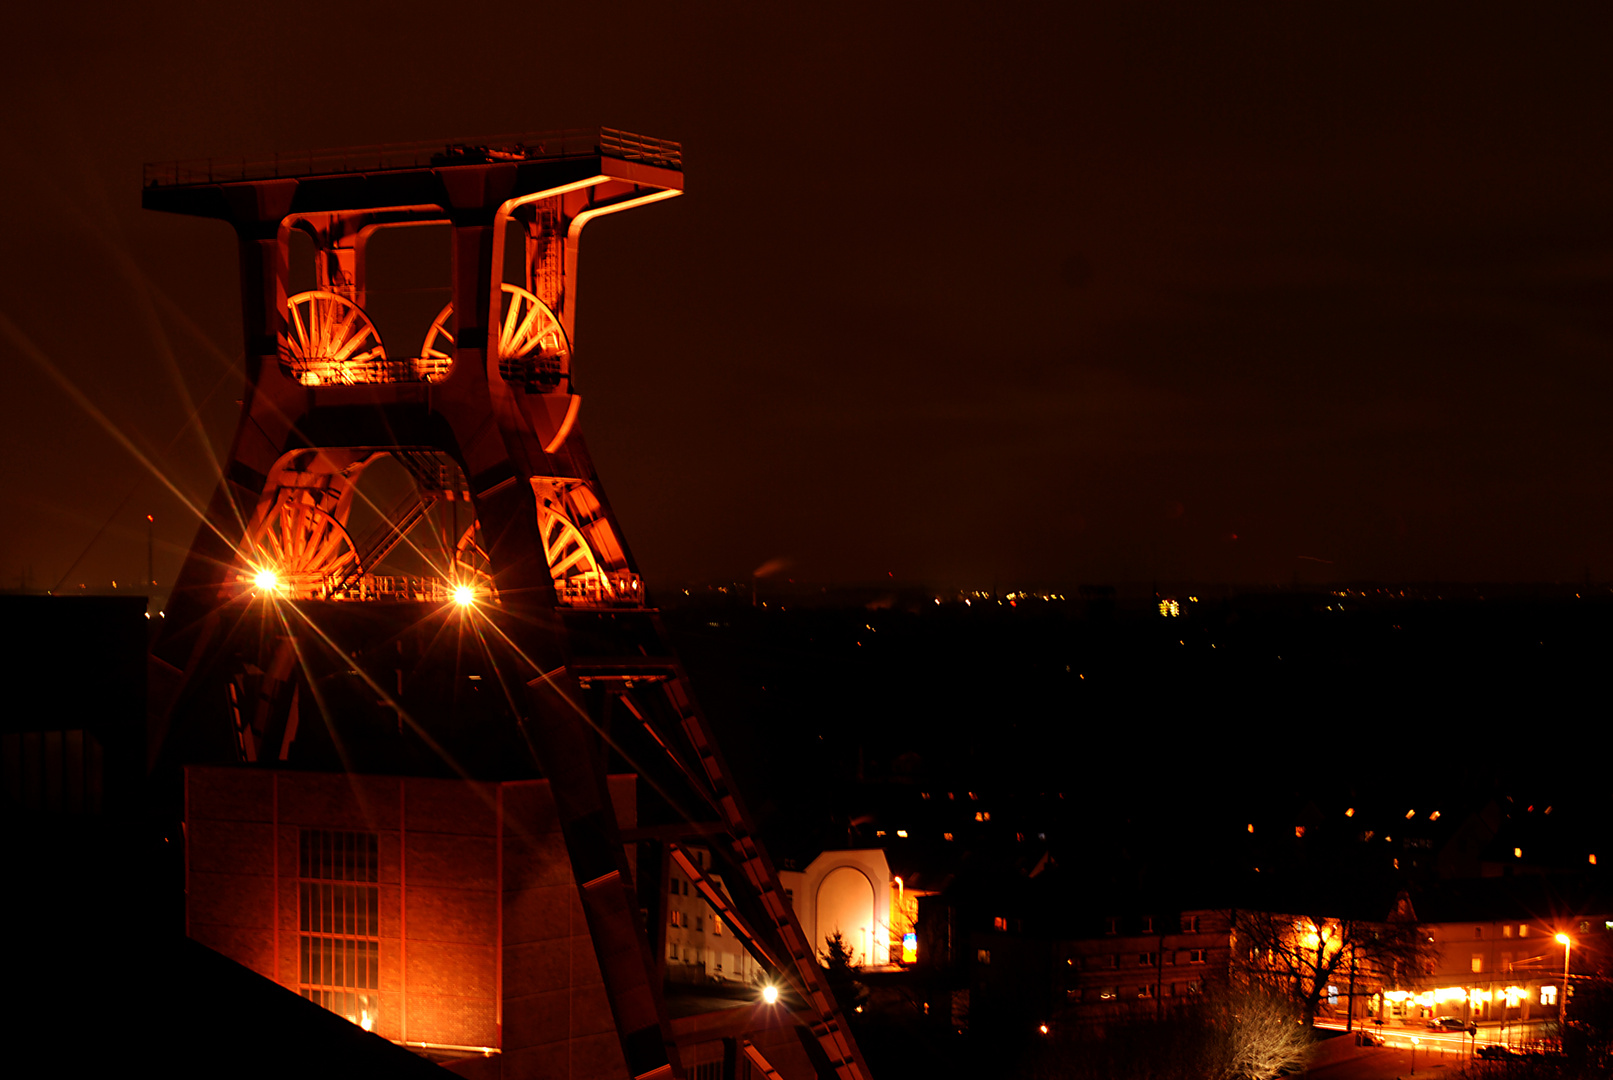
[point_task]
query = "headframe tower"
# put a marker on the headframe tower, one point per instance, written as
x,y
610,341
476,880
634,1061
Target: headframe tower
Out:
x,y
483,417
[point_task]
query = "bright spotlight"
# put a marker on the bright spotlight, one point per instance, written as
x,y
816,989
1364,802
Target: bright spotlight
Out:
x,y
464,595
1564,939
770,994
266,580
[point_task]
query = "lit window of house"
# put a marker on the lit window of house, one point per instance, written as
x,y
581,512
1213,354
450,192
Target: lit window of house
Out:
x,y
999,923
983,956
1478,962
1548,995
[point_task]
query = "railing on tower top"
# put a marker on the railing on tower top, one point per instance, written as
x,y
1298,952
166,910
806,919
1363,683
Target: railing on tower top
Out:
x,y
584,142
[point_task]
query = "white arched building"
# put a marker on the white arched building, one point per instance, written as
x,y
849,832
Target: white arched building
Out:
x,y
849,892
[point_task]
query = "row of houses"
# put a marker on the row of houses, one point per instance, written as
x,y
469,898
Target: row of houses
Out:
x,y
1501,968
1486,952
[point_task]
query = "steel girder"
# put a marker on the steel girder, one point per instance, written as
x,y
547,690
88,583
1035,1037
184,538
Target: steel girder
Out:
x,y
514,441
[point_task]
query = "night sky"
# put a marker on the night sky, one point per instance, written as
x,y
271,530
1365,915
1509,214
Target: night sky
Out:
x,y
959,294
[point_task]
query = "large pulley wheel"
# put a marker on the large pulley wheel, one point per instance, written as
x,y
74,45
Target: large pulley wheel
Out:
x,y
328,340
573,565
532,345
304,543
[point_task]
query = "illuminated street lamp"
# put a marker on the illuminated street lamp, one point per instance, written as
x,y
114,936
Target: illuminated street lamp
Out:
x,y
770,994
1562,1001
266,581
464,595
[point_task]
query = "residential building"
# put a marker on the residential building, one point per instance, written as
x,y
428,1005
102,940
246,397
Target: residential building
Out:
x,y
700,947
1140,960
1495,972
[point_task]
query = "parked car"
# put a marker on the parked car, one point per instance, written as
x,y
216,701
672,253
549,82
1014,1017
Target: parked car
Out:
x,y
1495,1052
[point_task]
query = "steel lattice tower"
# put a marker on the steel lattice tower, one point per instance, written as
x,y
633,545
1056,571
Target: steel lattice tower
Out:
x,y
484,419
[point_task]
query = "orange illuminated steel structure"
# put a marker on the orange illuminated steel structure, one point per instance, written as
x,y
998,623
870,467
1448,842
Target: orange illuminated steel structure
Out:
x,y
482,416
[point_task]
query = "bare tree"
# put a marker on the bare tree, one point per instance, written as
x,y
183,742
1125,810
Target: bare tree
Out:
x,y
1299,956
1229,1034
1264,1035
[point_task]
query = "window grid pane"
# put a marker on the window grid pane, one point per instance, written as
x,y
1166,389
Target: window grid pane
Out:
x,y
338,950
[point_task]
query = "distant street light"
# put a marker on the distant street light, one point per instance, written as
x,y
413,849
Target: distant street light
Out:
x,y
1562,1000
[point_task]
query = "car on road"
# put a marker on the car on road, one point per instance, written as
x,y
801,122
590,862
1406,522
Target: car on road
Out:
x,y
1448,1023
1495,1052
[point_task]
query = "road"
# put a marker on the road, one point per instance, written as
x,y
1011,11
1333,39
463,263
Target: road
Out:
x,y
1514,1034
1386,1063
1435,1054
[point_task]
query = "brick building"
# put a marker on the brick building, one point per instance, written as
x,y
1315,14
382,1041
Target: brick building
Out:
x,y
441,914
1142,959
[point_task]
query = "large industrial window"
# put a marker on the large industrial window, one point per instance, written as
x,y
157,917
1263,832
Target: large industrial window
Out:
x,y
339,947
